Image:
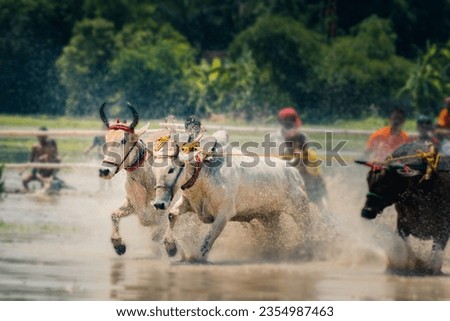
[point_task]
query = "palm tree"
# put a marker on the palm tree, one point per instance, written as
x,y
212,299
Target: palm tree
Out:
x,y
429,81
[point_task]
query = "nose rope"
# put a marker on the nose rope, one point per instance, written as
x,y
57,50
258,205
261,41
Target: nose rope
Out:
x,y
381,198
142,156
137,164
194,177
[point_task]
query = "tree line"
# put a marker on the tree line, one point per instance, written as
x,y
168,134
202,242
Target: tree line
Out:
x,y
328,58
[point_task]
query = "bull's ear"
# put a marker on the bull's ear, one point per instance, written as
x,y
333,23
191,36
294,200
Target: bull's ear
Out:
x,y
408,172
207,144
142,130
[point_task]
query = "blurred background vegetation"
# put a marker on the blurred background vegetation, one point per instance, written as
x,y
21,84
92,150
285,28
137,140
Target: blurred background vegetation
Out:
x,y
331,59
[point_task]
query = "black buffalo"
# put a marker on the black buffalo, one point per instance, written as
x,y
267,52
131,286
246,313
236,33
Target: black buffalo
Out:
x,y
422,204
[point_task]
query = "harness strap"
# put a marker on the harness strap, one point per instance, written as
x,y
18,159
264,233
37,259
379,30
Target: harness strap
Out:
x,y
139,161
430,159
194,177
121,127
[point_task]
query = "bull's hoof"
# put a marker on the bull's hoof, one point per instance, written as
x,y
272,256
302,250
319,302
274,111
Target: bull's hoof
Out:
x,y
199,261
171,249
120,249
119,246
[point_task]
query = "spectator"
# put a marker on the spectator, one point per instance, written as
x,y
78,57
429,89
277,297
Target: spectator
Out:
x,y
425,131
98,143
45,151
385,140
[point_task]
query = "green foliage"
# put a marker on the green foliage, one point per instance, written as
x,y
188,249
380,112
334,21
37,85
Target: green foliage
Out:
x,y
141,62
362,70
429,81
238,87
285,49
326,57
148,66
84,65
32,33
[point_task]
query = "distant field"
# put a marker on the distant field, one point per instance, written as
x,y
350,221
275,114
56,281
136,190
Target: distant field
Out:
x,y
17,149
95,123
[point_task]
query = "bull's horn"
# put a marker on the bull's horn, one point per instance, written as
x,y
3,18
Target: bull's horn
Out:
x,y
365,163
135,116
103,115
372,165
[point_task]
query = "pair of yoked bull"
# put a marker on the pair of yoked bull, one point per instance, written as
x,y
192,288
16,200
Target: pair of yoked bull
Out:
x,y
194,172
218,194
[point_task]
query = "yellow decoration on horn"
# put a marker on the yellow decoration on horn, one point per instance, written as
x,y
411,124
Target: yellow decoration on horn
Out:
x,y
160,142
189,147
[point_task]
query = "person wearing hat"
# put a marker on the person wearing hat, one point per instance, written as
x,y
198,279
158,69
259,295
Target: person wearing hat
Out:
x,y
292,145
45,151
290,126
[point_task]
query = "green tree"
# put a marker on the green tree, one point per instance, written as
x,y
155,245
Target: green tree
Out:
x,y
32,34
148,68
85,65
238,88
429,81
415,22
361,70
286,50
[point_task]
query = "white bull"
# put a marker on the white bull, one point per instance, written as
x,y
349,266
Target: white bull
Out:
x,y
125,150
222,189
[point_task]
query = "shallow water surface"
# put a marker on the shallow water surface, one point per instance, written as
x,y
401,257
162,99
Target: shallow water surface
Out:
x,y
58,248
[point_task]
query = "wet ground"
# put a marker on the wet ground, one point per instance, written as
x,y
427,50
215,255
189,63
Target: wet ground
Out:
x,y
57,248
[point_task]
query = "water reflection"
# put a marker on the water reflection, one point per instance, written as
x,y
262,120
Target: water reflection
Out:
x,y
155,280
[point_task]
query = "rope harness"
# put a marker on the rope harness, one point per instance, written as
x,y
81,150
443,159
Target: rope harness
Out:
x,y
186,148
142,155
194,177
430,158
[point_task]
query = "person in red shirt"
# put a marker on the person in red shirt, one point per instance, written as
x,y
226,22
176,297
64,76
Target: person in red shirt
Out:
x,y
385,140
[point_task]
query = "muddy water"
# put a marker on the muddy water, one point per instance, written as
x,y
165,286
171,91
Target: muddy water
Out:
x,y
57,248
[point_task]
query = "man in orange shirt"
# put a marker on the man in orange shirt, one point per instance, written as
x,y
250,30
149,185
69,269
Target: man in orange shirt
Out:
x,y
385,140
444,116
443,124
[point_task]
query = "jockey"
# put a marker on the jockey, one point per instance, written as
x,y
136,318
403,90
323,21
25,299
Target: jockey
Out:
x,y
385,140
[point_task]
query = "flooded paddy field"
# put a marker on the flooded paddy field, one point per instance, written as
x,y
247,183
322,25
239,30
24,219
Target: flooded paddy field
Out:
x,y
57,247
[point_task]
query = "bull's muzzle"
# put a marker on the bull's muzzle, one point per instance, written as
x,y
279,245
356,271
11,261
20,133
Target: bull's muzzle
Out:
x,y
160,205
104,172
368,213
